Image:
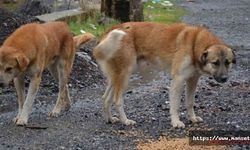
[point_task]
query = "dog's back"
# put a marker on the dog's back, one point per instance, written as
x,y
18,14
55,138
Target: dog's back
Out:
x,y
156,42
37,38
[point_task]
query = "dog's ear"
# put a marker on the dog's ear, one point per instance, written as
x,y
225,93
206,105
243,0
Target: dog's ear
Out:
x,y
234,57
203,58
22,61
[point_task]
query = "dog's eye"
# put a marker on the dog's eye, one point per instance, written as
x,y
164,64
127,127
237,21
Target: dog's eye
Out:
x,y
8,69
216,63
227,62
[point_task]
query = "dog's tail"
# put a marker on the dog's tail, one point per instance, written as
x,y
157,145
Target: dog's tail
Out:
x,y
106,48
82,38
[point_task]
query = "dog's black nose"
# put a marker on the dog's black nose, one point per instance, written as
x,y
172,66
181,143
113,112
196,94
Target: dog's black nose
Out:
x,y
221,79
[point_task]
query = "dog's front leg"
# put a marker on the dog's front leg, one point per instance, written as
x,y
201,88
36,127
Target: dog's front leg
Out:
x,y
27,107
176,90
19,85
190,93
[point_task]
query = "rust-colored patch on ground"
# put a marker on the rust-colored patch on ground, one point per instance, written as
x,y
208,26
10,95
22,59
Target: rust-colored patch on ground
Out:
x,y
164,143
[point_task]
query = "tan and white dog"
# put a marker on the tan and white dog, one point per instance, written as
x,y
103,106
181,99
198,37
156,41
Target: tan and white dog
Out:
x,y
185,51
28,51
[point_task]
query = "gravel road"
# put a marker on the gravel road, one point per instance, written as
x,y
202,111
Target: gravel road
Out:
x,y
221,106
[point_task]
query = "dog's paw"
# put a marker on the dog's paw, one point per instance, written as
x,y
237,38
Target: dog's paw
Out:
x,y
15,119
21,121
129,122
112,120
53,114
178,124
67,107
196,119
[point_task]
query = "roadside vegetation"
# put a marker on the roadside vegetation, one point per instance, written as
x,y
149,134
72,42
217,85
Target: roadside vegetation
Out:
x,y
163,11
91,25
154,10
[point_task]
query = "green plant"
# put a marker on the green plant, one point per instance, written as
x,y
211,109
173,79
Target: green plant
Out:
x,y
158,12
91,25
155,12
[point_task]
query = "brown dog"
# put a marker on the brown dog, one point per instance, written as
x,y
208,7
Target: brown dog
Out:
x,y
28,51
185,51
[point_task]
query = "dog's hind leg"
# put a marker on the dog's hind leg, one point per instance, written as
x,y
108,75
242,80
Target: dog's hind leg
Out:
x,y
19,85
120,83
190,92
63,89
53,71
69,46
107,103
108,89
67,101
63,67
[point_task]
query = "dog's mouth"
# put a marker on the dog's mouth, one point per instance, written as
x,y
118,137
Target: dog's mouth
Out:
x,y
221,79
4,83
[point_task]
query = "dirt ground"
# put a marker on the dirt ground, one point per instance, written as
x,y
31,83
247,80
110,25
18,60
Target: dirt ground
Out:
x,y
222,106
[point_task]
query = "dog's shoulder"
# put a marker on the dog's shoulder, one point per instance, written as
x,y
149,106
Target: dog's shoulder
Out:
x,y
21,33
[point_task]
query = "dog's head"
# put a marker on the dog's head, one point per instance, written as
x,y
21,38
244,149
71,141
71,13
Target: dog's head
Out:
x,y
12,63
217,60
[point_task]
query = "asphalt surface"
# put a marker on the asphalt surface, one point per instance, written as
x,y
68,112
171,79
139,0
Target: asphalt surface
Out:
x,y
146,101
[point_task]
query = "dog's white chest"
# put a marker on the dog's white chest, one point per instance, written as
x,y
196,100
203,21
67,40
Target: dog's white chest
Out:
x,y
187,69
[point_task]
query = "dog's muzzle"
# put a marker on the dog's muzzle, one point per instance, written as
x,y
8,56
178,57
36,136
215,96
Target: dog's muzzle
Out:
x,y
3,83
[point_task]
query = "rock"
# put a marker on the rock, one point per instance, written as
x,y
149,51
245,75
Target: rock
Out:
x,y
10,21
129,92
165,107
34,8
213,83
234,83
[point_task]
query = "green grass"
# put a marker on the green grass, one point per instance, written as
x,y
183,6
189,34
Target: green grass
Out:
x,y
164,14
152,12
90,25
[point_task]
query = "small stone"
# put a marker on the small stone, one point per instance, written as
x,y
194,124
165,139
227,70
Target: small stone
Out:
x,y
234,83
70,85
129,92
222,109
165,107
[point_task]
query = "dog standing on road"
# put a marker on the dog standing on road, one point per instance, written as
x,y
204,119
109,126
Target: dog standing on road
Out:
x,y
186,51
28,51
